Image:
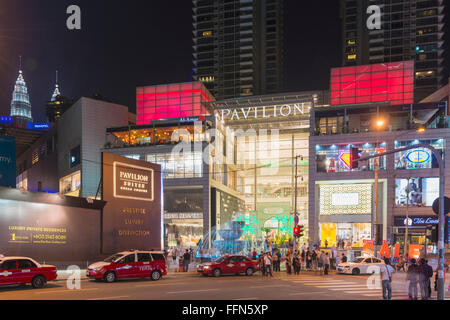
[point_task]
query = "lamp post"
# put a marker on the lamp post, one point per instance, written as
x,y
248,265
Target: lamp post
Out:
x,y
441,245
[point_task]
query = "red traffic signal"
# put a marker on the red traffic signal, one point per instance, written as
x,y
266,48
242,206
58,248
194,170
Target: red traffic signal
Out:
x,y
354,156
298,231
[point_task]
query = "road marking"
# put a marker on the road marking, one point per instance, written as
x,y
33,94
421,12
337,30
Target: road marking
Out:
x,y
361,291
270,286
109,298
189,291
321,283
381,294
342,285
64,291
160,284
302,293
246,299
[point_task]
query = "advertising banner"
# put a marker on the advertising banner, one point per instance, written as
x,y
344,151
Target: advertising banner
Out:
x,y
132,217
7,162
47,232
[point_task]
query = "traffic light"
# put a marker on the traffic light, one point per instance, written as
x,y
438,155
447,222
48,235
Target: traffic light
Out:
x,y
354,155
298,231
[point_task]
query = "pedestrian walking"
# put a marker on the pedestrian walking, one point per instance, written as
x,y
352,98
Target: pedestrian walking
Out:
x,y
296,263
268,264
413,278
308,259
275,261
425,273
254,254
288,261
326,263
315,263
186,260
262,265
386,272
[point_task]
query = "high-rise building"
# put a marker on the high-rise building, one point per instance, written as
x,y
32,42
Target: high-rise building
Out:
x,y
20,104
56,93
238,46
410,30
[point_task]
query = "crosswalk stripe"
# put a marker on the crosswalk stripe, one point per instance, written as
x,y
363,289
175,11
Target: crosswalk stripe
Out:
x,y
319,283
345,286
378,294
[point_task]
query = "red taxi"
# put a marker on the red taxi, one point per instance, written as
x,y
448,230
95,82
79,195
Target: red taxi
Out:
x,y
129,264
22,270
229,265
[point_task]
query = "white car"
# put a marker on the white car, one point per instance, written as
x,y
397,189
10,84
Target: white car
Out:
x,y
360,265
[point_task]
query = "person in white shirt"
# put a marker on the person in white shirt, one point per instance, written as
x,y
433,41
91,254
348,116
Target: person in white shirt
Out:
x,y
268,264
386,272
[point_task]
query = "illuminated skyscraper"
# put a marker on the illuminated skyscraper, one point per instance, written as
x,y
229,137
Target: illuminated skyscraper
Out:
x,y
56,93
20,104
238,46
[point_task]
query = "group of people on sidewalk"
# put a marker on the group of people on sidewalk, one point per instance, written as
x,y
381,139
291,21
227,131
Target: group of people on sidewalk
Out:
x,y
180,259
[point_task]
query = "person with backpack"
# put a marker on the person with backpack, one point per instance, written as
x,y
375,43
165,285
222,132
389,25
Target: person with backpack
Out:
x,y
413,278
425,273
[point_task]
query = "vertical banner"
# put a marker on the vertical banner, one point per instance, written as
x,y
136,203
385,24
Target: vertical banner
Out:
x,y
8,169
132,215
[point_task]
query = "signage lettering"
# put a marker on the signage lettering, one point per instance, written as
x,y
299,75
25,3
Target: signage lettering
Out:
x,y
285,110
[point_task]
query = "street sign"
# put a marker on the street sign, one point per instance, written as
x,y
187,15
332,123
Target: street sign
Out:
x,y
296,220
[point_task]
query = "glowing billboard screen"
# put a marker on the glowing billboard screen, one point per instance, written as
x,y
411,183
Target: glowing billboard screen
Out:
x,y
172,101
392,82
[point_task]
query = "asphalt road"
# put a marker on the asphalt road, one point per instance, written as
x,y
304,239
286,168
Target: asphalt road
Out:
x,y
191,286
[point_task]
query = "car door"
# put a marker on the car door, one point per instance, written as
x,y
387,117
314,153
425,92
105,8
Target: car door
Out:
x,y
8,272
126,266
228,266
365,265
159,262
240,264
144,266
26,270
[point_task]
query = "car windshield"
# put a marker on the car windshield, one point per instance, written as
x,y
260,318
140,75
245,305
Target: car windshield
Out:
x,y
113,258
357,260
219,260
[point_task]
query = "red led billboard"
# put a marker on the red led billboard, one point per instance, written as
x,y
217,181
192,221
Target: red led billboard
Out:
x,y
392,82
172,101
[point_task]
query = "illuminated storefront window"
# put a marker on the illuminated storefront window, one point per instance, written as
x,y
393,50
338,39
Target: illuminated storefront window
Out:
x,y
393,82
421,192
70,185
174,166
345,234
336,157
420,158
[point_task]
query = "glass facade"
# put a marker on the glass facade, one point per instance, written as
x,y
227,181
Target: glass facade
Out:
x,y
393,82
336,157
172,101
70,185
178,166
420,158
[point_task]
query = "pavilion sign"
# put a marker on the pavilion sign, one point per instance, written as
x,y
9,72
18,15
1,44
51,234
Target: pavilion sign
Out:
x,y
263,112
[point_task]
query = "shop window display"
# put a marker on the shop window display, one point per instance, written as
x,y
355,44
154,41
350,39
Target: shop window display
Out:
x,y
420,158
336,158
422,192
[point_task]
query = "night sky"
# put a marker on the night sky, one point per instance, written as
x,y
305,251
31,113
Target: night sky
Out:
x,y
125,44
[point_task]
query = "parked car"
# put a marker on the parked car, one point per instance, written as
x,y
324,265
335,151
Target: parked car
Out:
x,y
234,264
360,265
129,264
23,270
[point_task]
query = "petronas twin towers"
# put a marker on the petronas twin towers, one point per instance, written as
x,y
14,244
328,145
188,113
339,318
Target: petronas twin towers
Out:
x,y
20,104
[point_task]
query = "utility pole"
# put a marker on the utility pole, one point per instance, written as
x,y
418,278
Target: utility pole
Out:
x,y
405,253
377,164
295,202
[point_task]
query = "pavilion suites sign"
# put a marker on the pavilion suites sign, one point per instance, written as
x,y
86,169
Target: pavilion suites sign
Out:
x,y
263,112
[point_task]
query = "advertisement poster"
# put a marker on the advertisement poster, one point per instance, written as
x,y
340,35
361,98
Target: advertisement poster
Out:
x,y
7,162
132,217
422,191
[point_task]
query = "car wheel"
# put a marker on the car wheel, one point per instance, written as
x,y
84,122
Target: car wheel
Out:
x,y
38,282
156,275
217,272
110,277
249,272
355,271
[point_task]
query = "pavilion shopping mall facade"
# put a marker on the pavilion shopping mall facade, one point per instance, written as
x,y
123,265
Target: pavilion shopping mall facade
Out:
x,y
237,163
